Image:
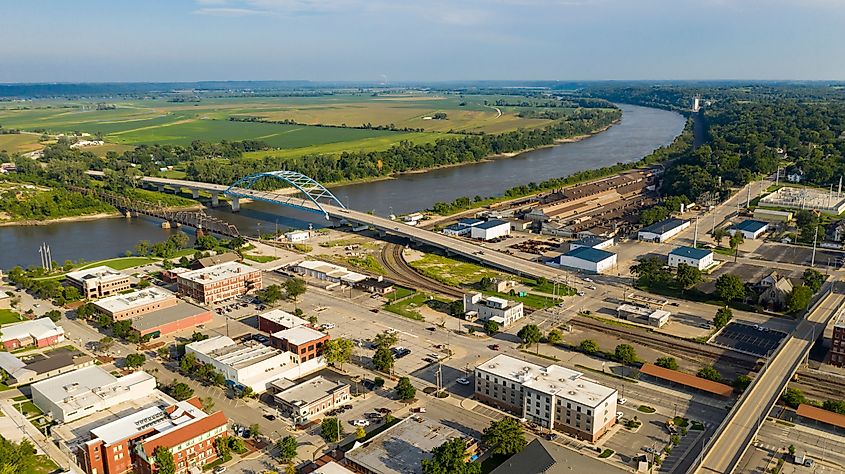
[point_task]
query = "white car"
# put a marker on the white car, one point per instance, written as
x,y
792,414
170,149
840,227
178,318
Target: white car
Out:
x,y
219,469
619,415
361,423
622,401
327,326
588,280
463,381
390,331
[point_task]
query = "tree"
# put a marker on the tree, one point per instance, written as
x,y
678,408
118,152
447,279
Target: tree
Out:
x,y
85,311
650,271
142,248
813,279
270,294
530,334
491,327
798,299
312,319
504,437
730,287
625,353
723,316
17,457
667,363
709,373
719,235
164,460
736,240
206,242
385,339
54,315
687,276
741,383
179,239
178,390
588,346
554,336
330,430
105,344
222,444
254,430
383,359
360,433
792,397
144,283
135,360
207,404
836,406
247,392
294,288
450,458
338,351
71,293
405,390
791,449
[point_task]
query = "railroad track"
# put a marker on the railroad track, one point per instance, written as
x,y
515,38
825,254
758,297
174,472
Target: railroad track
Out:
x,y
822,387
404,274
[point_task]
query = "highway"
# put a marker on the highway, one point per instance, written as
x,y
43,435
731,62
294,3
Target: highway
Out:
x,y
743,422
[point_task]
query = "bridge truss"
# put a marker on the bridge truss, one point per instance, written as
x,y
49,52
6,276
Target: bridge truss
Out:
x,y
310,191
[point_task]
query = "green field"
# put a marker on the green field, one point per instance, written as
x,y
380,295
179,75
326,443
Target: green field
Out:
x,y
20,142
8,316
120,263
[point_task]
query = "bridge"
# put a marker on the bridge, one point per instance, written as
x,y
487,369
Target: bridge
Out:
x,y
737,431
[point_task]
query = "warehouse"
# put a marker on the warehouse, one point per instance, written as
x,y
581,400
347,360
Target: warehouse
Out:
x,y
40,332
770,215
593,242
125,306
490,230
176,318
277,320
750,228
698,258
587,259
663,230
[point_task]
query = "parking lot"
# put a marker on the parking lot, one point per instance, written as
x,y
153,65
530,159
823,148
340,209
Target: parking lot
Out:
x,y
775,252
748,339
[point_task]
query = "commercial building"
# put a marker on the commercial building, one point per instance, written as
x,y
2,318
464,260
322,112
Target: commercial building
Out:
x,y
750,228
251,364
212,260
652,317
302,403
837,342
378,285
127,444
554,397
295,236
770,215
663,230
134,304
593,242
545,457
183,316
462,227
304,341
490,230
40,332
77,394
277,320
328,272
492,308
98,282
694,257
401,448
32,368
587,259
219,282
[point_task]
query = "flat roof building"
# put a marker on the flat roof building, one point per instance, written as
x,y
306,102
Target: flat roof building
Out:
x,y
588,259
302,403
500,310
219,282
277,320
663,230
129,305
42,332
77,394
770,215
490,230
687,380
181,317
328,272
694,257
303,341
593,241
553,396
651,317
98,282
751,229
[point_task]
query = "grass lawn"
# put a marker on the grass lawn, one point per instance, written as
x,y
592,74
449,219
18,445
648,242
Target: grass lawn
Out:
x,y
407,307
29,409
122,263
43,465
530,300
8,316
367,263
451,271
398,293
259,258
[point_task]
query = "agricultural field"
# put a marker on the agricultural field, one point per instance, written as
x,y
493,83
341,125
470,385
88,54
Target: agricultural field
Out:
x,y
20,143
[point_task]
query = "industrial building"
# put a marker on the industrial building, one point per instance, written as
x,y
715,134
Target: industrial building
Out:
x,y
462,227
593,242
183,316
770,215
277,320
154,311
492,308
328,272
639,314
98,282
34,367
490,230
125,306
587,259
306,401
127,444
662,231
822,200
750,229
251,364
219,282
303,341
554,397
694,257
77,394
42,332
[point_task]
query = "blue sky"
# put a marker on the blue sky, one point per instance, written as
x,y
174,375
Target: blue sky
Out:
x,y
186,40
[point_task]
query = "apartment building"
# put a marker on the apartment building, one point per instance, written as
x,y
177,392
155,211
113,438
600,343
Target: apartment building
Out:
x,y
554,397
219,282
837,344
98,282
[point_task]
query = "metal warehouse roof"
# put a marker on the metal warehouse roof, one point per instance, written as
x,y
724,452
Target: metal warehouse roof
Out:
x,y
691,252
750,225
590,254
491,224
664,226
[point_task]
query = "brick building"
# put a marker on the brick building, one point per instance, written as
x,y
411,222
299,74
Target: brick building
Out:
x,y
304,402
98,282
837,343
41,332
305,342
134,304
278,320
127,445
219,282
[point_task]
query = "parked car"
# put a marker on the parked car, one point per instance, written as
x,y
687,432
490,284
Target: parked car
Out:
x,y
620,415
347,407
219,469
648,449
270,417
495,347
463,381
327,326
431,328
362,423
384,411
418,410
622,401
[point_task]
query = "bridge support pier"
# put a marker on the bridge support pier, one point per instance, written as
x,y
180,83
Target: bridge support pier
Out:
x,y
195,193
215,198
236,203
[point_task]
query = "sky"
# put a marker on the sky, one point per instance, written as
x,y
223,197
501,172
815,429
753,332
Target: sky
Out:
x,y
422,40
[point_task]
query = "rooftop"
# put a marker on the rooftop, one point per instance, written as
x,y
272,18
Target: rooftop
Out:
x,y
492,223
332,468
181,310
283,318
590,241
469,222
691,252
688,380
309,392
401,448
571,385
332,270
750,225
541,456
37,328
216,273
225,351
820,414
156,418
664,226
102,272
510,368
118,303
299,335
84,387
590,254
41,363
212,260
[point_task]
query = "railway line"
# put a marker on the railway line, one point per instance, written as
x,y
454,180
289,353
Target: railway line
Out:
x,y
402,273
818,386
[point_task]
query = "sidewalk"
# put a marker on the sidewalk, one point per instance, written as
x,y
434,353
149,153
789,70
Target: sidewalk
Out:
x,y
43,444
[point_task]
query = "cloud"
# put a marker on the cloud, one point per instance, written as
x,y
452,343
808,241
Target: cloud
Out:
x,y
225,11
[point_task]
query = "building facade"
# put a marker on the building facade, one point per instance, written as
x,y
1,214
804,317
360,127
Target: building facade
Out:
x,y
219,282
694,257
837,343
588,259
277,320
751,229
303,341
98,282
490,230
306,401
663,230
42,332
493,308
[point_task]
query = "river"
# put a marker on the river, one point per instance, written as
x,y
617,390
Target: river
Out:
x,y
640,131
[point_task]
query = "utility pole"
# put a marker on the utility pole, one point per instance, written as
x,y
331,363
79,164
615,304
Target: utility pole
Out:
x,y
695,238
815,238
748,198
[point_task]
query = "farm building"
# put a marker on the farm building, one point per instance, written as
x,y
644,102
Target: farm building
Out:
x,y
698,258
587,259
663,230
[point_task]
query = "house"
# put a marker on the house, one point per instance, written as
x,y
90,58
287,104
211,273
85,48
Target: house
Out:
x,y
588,259
694,257
751,229
490,230
663,230
493,308
775,296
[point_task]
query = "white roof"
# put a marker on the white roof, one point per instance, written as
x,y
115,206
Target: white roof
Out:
x,y
297,233
510,368
496,300
87,386
118,303
154,417
102,273
37,328
569,384
299,335
308,392
227,352
218,272
332,270
284,318
332,468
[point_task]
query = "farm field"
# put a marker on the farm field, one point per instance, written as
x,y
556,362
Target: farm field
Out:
x,y
362,145
20,142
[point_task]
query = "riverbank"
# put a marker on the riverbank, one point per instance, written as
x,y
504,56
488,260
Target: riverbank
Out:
x,y
84,218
